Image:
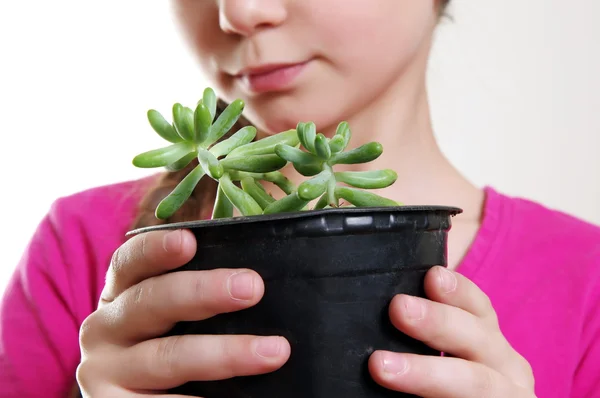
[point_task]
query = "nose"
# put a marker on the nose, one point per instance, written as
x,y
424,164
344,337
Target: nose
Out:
x,y
245,17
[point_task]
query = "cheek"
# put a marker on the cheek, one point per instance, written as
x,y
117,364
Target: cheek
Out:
x,y
199,21
370,40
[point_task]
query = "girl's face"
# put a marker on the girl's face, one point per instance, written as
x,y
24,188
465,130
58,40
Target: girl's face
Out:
x,y
307,60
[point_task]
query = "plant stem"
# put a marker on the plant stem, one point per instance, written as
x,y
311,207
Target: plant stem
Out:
x,y
331,185
169,205
274,177
239,198
223,207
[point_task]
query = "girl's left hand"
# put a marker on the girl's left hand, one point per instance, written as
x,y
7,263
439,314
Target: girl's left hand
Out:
x,y
458,320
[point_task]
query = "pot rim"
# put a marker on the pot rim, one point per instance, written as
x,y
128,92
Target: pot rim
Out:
x,y
453,211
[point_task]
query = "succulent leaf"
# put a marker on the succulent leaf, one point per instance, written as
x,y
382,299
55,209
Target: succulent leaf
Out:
x,y
162,127
169,205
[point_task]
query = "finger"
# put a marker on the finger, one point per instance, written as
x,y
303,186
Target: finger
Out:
x,y
91,382
165,363
440,377
452,288
128,394
153,306
145,395
455,331
146,255
106,389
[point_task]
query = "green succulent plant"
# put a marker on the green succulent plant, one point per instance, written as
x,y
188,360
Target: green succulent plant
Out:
x,y
243,160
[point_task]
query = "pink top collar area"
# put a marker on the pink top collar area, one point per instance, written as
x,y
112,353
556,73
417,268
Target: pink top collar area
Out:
x,y
492,228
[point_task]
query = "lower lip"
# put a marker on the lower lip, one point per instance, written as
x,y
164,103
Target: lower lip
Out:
x,y
276,80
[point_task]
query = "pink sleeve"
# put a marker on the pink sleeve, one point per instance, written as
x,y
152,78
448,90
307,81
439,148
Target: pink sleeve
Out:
x,y
57,284
586,381
39,349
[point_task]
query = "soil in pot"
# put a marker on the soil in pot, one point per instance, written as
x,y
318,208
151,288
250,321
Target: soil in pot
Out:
x,y
329,278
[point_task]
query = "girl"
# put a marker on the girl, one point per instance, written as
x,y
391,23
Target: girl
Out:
x,y
517,309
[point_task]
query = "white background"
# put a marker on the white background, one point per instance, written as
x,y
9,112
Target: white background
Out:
x,y
514,88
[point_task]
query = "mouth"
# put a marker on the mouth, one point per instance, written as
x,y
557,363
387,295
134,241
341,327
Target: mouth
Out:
x,y
271,77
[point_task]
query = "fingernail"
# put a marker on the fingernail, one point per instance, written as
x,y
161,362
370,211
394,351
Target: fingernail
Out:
x,y
268,347
414,308
447,280
394,364
172,241
241,286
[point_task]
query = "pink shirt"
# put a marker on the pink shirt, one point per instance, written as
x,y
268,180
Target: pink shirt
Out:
x,y
541,269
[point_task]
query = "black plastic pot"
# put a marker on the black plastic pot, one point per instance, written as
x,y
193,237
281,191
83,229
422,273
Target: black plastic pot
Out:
x,y
329,278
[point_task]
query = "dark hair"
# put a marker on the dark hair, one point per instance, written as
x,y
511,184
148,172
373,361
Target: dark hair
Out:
x,y
443,6
200,203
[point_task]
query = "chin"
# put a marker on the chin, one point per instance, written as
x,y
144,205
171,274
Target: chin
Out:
x,y
278,112
273,122
277,120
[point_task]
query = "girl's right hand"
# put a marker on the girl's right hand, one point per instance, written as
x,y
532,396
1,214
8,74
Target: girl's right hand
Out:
x,y
122,353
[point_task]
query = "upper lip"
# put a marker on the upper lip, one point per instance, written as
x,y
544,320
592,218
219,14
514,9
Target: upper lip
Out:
x,y
264,68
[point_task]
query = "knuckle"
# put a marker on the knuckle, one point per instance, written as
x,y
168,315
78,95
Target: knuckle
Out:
x,y
233,356
527,371
446,317
487,303
144,245
141,294
493,318
236,348
200,285
489,310
115,273
524,364
84,376
116,264
87,335
145,297
167,357
87,382
484,384
121,275
439,324
81,374
483,340
210,290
